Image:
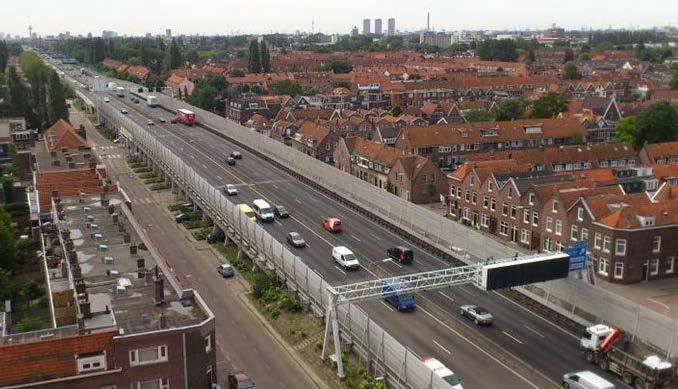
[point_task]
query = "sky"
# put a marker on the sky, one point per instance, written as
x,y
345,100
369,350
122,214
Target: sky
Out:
x,y
227,17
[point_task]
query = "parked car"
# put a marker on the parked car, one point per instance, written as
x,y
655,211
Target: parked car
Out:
x,y
124,111
149,122
236,154
280,211
345,258
296,240
107,100
230,161
181,217
237,379
401,254
162,120
478,314
225,270
230,190
136,101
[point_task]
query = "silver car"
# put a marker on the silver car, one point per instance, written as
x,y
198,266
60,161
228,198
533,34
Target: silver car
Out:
x,y
225,270
478,314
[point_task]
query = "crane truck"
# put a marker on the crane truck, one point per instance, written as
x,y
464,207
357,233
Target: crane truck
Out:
x,y
603,345
184,116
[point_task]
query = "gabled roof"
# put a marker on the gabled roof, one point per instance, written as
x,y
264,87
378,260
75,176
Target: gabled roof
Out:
x,y
62,135
661,150
312,131
631,215
376,152
67,182
413,164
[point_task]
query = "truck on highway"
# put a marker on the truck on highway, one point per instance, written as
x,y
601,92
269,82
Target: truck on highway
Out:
x,y
184,116
152,101
604,345
120,91
112,85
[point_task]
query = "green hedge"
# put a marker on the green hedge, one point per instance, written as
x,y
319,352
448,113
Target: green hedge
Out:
x,y
159,187
155,180
142,170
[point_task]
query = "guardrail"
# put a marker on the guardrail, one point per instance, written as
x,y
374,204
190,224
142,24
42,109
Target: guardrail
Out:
x,y
383,353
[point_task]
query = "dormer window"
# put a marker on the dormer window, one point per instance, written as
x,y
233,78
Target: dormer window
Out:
x,y
646,221
535,129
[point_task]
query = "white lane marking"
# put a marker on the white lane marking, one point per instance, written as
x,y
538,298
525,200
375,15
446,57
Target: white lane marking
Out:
x,y
658,303
511,336
297,200
342,272
387,306
308,245
467,340
466,291
355,237
219,177
533,330
204,166
446,296
392,261
413,353
441,346
278,222
313,199
275,186
374,235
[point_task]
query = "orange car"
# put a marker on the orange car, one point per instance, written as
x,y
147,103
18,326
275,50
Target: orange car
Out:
x,y
332,224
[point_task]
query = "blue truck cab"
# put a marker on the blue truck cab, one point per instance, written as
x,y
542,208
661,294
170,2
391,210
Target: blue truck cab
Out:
x,y
401,301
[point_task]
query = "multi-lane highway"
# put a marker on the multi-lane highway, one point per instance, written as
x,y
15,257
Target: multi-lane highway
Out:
x,y
519,350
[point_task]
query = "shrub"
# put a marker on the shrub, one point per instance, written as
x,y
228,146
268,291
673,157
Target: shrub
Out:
x,y
156,180
28,324
318,345
142,170
147,175
201,234
159,187
260,284
175,207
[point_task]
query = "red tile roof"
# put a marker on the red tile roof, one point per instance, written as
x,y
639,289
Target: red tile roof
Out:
x,y
377,152
661,150
67,182
62,135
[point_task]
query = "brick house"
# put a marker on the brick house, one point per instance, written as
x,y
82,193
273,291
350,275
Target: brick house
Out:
x,y
368,160
315,140
630,239
659,153
417,179
448,144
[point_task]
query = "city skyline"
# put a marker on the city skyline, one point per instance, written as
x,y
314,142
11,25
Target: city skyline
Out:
x,y
82,18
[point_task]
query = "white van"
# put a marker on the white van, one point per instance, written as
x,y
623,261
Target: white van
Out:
x,y
345,258
586,380
263,210
443,372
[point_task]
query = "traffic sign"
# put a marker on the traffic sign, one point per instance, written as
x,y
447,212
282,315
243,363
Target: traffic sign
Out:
x,y
577,255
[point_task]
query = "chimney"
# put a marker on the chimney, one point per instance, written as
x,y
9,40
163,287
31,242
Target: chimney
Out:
x,y
141,268
125,237
115,216
111,209
133,249
159,288
81,321
85,309
163,321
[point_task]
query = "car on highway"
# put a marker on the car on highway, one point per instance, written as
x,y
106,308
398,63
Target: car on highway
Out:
x,y
107,100
225,270
401,254
478,315
345,258
332,224
394,293
149,122
296,240
237,379
230,161
162,120
443,372
124,111
281,212
585,380
230,190
236,154
136,101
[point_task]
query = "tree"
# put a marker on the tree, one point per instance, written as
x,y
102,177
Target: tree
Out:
x,y
530,57
286,87
18,93
57,101
208,92
6,285
396,110
626,130
4,56
172,57
657,123
569,55
570,72
584,57
237,72
338,66
548,105
510,109
498,50
254,58
8,240
31,291
27,325
477,115
265,58
674,80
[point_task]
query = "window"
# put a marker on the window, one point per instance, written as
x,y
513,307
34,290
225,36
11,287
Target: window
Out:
x,y
654,267
160,383
473,180
620,247
606,244
549,223
490,186
619,270
493,205
657,244
669,265
531,198
504,209
547,244
580,213
464,213
535,219
485,220
514,212
503,228
208,343
559,227
603,266
91,362
452,191
486,201
148,355
468,196
526,216
554,209
459,192
584,234
597,240
510,192
574,232
525,236
474,198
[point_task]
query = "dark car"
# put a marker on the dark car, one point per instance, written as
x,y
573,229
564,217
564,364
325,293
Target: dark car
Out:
x,y
296,240
280,211
236,154
237,379
181,217
230,161
401,254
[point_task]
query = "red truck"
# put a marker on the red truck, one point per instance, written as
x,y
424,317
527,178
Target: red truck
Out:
x,y
184,116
